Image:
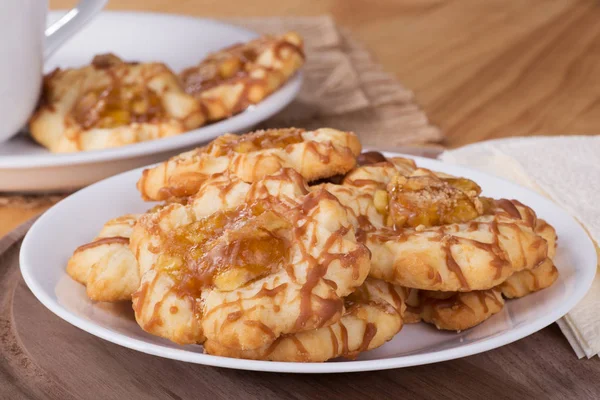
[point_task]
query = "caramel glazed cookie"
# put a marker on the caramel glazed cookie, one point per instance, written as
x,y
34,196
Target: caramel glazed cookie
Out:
x,y
459,252
106,266
111,103
267,270
230,80
317,154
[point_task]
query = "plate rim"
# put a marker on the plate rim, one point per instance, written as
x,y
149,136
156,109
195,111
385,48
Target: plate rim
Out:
x,y
270,106
500,339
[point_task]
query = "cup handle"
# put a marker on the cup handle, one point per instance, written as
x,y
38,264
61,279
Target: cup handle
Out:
x,y
70,23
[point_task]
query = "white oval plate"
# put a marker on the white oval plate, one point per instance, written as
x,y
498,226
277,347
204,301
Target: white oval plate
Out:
x,y
78,218
175,40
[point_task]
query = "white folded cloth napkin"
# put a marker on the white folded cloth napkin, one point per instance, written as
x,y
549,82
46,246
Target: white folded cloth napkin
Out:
x,y
567,170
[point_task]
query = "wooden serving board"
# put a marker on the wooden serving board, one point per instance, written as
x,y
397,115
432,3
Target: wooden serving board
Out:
x,y
44,357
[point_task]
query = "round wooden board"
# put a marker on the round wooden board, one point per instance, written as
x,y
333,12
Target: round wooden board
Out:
x,y
44,357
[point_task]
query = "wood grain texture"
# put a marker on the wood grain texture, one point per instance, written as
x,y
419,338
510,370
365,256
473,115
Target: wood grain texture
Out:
x,y
11,217
480,69
44,357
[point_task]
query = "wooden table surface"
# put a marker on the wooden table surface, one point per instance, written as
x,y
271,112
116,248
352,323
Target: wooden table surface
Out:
x,y
481,70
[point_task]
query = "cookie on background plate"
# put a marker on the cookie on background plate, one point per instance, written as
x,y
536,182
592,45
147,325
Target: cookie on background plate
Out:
x,y
111,103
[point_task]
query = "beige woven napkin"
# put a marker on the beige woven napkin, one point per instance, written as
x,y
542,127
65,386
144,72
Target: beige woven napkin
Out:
x,y
343,88
566,169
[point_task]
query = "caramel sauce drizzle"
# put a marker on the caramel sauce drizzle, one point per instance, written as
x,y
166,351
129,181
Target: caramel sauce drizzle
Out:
x,y
334,341
264,292
313,147
273,346
305,355
264,328
318,266
455,302
453,265
139,297
369,334
370,157
103,241
509,207
344,335
395,296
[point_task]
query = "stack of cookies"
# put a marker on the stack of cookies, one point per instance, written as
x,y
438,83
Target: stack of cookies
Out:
x,y
291,245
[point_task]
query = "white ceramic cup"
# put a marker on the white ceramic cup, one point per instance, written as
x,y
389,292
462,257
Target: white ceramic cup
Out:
x,y
24,44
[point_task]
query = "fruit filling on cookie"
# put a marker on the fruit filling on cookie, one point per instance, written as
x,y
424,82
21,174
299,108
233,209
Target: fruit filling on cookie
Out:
x,y
227,249
428,200
238,62
261,140
118,105
219,67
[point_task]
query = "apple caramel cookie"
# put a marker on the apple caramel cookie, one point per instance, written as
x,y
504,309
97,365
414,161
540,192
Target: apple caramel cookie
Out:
x,y
230,80
474,255
433,231
274,262
111,103
106,266
458,311
454,311
313,154
373,315
541,276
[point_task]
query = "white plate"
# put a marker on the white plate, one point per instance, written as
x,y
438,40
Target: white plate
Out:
x,y
78,218
176,40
